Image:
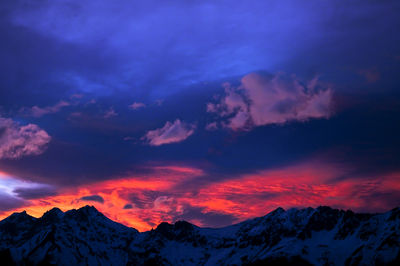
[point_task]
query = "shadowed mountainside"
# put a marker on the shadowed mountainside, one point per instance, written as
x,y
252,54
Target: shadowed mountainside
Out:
x,y
321,236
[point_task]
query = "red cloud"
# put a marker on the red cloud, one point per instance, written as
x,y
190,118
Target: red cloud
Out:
x,y
145,201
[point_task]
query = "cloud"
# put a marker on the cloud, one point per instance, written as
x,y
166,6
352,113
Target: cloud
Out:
x,y
37,111
271,99
8,202
243,40
137,105
201,216
145,199
95,198
17,141
170,133
128,206
212,126
174,193
239,120
110,113
371,75
29,193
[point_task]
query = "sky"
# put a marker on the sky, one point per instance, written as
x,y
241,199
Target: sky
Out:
x,y
212,112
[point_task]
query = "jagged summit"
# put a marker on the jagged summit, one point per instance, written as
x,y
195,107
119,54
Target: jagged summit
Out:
x,y
18,216
54,210
52,214
87,209
90,210
307,236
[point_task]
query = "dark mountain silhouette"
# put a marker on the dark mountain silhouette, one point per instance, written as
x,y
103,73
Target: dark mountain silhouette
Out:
x,y
321,236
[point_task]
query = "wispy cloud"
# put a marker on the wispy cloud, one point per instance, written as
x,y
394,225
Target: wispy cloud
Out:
x,y
271,99
18,140
15,193
137,105
110,113
35,191
170,133
37,111
212,126
371,75
8,202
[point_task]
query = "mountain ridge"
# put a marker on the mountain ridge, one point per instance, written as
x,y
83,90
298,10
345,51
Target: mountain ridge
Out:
x,y
307,236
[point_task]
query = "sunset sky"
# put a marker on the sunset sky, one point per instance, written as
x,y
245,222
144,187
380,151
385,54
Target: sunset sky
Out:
x,y
207,111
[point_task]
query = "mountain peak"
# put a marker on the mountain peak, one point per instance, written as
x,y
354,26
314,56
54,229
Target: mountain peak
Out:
x,y
324,208
277,211
54,210
86,214
53,214
84,236
23,213
19,216
89,209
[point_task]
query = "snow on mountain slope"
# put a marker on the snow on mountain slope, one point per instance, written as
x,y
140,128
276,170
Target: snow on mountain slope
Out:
x,y
321,236
82,237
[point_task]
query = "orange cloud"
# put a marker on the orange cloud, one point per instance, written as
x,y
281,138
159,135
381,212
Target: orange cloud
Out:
x,y
114,193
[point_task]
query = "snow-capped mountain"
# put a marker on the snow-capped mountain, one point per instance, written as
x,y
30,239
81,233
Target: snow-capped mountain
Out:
x,y
321,236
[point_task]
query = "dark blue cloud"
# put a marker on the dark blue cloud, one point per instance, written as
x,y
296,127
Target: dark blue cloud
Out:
x,y
95,198
150,50
128,206
182,52
29,193
8,202
208,219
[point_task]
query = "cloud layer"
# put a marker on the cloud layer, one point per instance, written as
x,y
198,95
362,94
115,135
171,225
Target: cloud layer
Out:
x,y
17,141
271,99
170,133
171,193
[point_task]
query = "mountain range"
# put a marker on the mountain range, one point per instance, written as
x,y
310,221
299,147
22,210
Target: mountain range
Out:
x,y
320,236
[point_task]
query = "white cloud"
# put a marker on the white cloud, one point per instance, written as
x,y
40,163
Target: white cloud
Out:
x,y
170,133
263,100
18,140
